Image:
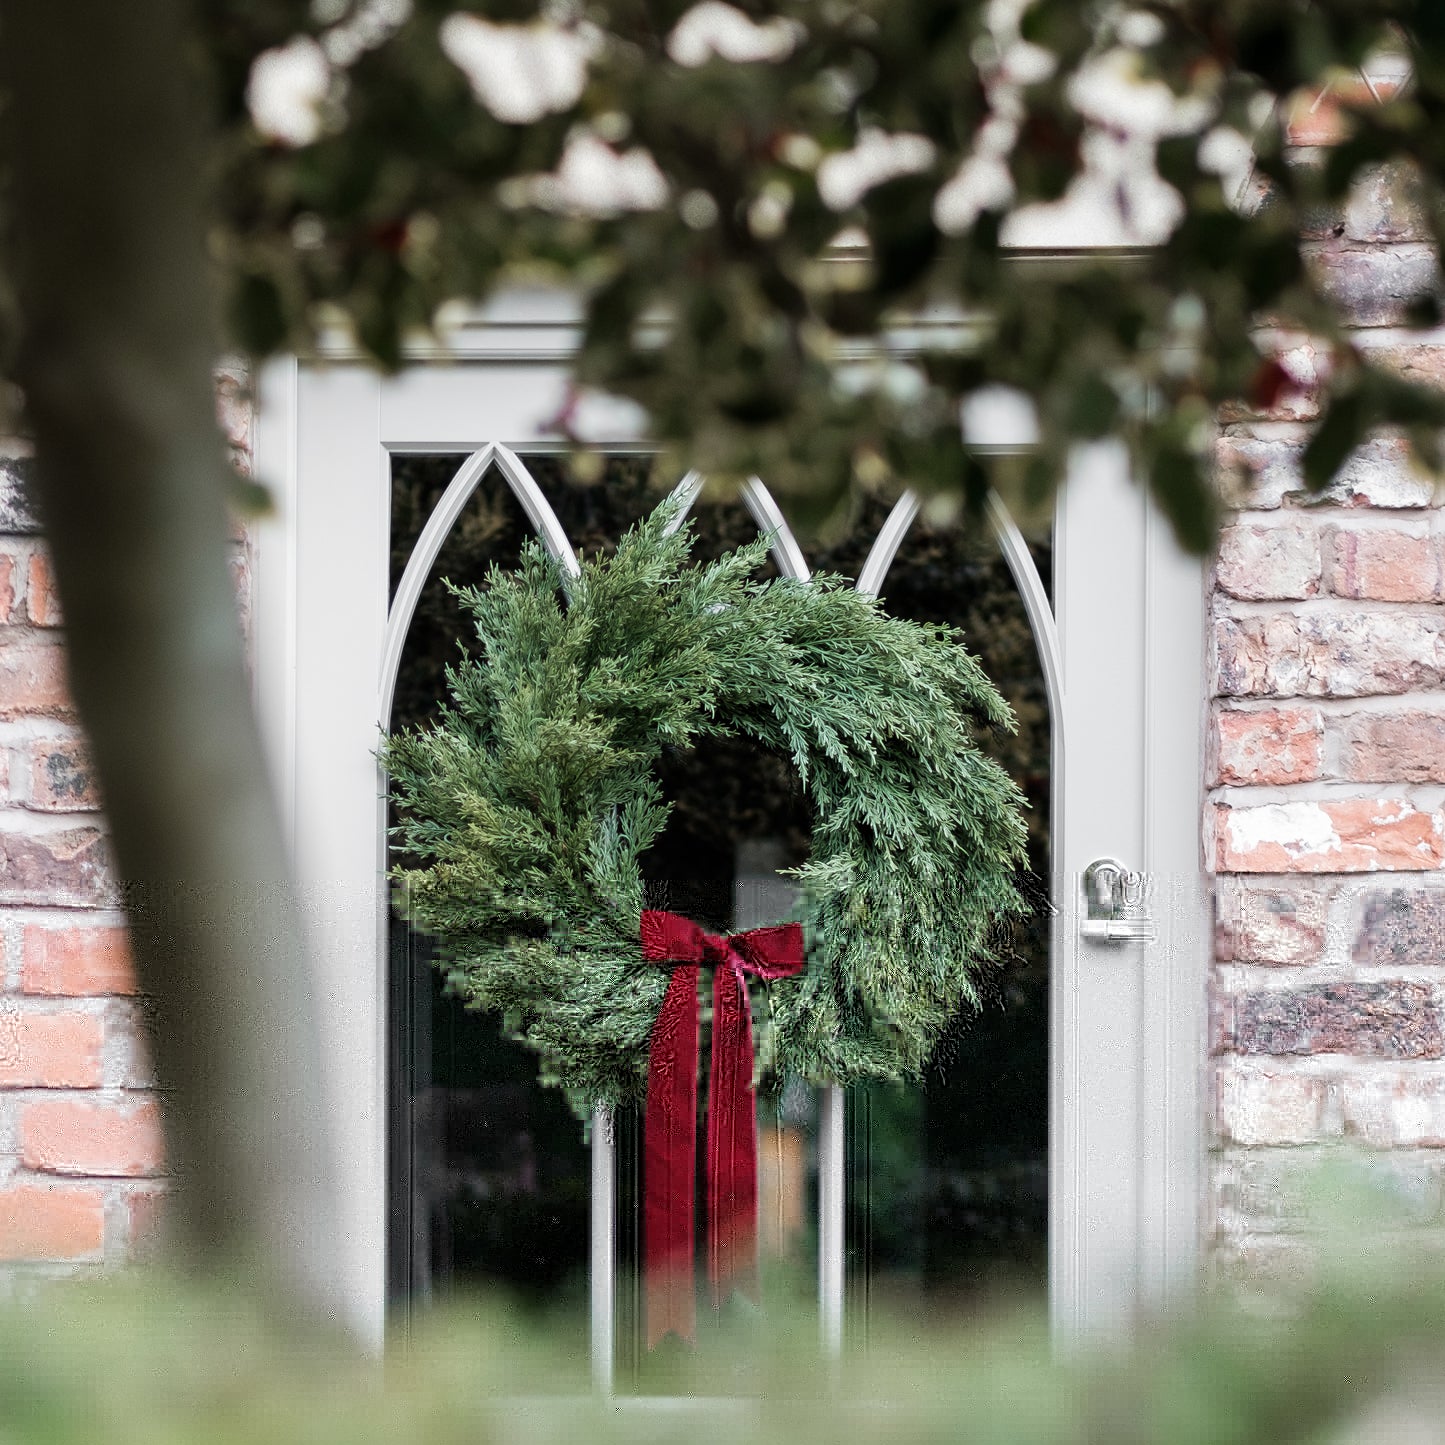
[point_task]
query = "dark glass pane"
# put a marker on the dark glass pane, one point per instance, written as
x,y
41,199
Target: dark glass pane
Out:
x,y
947,1187
490,1173
947,1184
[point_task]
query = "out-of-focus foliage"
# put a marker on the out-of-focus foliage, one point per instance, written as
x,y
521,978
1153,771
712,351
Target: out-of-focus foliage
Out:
x,y
615,145
1361,1358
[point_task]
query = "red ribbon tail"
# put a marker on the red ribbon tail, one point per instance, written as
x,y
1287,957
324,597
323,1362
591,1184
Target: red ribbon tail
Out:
x,y
732,1143
670,1142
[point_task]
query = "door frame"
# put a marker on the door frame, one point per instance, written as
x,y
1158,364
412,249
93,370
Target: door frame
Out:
x,y
1126,1020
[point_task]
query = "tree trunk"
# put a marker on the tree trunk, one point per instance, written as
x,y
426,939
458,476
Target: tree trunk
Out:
x,y
107,130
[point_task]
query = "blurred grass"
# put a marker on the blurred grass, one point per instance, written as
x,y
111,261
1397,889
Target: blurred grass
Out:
x,y
1359,1356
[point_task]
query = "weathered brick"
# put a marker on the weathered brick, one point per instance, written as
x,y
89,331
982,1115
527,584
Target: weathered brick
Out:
x,y
17,508
1257,473
1420,361
1381,473
7,587
1376,286
47,1223
1268,925
1321,118
1336,654
77,961
234,414
1262,563
1392,564
1263,1190
1305,365
42,602
92,1137
62,777
49,1051
1391,1019
1397,1111
145,1211
130,1040
1390,747
65,869
1355,835
1400,926
33,681
1384,206
1275,745
1261,1106
240,566
1260,1272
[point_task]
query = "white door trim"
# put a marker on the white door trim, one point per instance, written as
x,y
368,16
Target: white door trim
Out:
x,y
1124,1192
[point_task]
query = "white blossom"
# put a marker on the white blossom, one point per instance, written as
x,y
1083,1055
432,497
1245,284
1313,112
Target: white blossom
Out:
x,y
845,176
981,183
713,28
595,180
1227,154
519,72
371,23
1111,91
285,90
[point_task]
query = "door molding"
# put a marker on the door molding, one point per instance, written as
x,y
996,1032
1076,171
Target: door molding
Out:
x,y
1126,688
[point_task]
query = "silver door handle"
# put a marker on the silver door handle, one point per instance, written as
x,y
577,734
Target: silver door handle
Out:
x,y
1115,904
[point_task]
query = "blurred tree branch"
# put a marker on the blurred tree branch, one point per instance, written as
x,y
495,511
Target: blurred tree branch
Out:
x,y
107,131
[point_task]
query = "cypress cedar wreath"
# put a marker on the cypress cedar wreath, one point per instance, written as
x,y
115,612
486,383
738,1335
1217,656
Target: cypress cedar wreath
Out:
x,y
526,806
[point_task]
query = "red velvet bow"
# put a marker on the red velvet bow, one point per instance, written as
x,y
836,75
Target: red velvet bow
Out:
x,y
732,1130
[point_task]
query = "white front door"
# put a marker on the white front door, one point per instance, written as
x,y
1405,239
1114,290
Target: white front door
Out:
x,y
1124,667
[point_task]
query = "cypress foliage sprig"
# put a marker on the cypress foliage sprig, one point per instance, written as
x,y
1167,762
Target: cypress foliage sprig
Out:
x,y
527,806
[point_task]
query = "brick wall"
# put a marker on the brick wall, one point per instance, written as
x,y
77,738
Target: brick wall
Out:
x,y
81,1159
1326,779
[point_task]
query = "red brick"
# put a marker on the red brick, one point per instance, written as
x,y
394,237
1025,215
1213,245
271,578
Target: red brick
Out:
x,y
7,587
1401,926
1321,118
56,1222
42,602
1270,925
68,869
1276,745
1422,361
1261,1106
1381,473
1386,565
76,962
1356,835
62,777
1263,563
1314,654
1384,206
1257,473
89,1137
1393,747
49,1051
33,681
1373,286
1394,1019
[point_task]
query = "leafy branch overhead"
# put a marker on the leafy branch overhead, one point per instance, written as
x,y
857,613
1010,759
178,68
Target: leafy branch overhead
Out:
x,y
778,181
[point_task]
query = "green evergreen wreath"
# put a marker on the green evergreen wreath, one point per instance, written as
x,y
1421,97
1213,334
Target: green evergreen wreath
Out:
x,y
526,806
